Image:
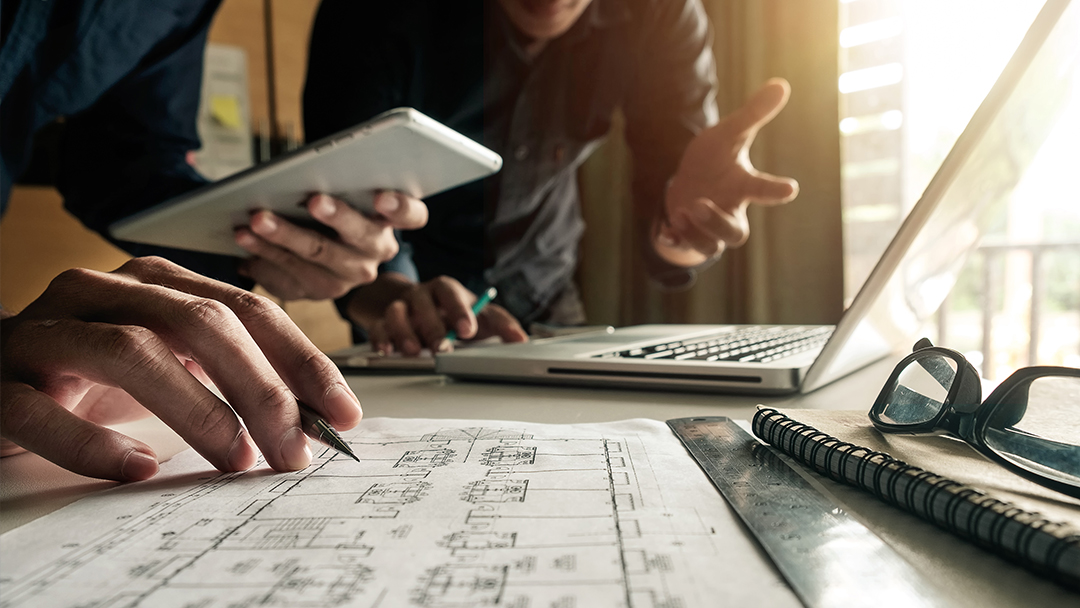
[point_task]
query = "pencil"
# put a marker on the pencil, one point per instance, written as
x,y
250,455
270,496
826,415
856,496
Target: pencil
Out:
x,y
484,300
317,428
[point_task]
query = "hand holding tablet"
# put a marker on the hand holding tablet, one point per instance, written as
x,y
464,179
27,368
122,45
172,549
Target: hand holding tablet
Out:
x,y
293,262
320,219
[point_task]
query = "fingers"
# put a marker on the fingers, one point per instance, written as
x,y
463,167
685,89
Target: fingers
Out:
x,y
425,318
455,303
9,448
762,107
371,237
313,265
709,229
401,210
294,262
421,316
285,276
136,360
109,405
306,371
207,331
495,320
34,421
399,330
121,330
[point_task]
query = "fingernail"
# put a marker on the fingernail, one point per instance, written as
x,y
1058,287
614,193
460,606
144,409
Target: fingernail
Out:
x,y
444,346
342,405
263,223
294,449
666,239
411,346
245,239
324,207
138,466
387,202
241,453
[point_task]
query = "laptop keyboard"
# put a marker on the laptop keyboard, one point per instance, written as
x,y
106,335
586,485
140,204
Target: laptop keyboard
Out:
x,y
758,344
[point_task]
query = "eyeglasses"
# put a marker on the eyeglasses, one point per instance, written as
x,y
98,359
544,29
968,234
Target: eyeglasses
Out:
x,y
1029,424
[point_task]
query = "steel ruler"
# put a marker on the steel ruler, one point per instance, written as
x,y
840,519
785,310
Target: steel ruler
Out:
x,y
829,558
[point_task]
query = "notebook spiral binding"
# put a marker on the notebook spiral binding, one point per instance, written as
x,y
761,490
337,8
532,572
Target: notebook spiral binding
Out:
x,y
1048,548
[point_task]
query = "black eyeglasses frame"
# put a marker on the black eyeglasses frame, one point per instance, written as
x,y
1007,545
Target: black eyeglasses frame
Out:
x,y
964,414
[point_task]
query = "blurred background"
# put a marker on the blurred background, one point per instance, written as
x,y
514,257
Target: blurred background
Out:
x,y
881,91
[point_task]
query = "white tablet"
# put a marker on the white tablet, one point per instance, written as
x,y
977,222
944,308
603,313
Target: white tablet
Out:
x,y
400,150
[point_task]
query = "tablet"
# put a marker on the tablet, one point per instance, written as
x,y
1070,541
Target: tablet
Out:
x,y
400,150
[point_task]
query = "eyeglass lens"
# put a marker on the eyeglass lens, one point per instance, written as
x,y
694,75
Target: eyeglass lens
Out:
x,y
1037,426
920,391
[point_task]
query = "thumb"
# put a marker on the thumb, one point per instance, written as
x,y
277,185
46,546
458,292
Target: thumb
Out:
x,y
401,210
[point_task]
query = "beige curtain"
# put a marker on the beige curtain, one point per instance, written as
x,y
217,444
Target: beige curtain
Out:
x,y
791,270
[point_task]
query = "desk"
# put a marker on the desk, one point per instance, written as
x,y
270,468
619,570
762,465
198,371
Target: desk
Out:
x,y
31,487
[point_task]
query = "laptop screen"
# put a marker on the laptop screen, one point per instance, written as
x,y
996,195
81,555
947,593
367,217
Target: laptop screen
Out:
x,y
1037,91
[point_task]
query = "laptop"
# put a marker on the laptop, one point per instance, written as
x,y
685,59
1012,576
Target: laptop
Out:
x,y
908,284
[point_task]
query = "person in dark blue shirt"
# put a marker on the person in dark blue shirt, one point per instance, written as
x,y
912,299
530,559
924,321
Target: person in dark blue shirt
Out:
x,y
124,77
540,82
125,80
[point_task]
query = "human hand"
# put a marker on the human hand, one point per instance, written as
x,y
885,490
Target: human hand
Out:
x,y
96,347
294,263
423,313
707,198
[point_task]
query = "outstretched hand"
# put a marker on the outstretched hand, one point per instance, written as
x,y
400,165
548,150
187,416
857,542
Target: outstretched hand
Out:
x,y
707,198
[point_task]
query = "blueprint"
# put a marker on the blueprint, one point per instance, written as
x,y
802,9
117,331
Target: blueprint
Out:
x,y
439,514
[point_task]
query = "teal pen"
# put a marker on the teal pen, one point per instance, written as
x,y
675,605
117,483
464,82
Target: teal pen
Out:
x,y
485,299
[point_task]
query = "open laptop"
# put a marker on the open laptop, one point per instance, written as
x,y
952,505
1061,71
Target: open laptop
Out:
x,y
908,284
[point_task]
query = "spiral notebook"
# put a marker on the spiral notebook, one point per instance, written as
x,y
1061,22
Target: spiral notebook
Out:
x,y
1016,519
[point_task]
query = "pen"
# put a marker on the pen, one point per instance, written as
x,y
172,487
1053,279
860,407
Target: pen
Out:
x,y
320,430
485,299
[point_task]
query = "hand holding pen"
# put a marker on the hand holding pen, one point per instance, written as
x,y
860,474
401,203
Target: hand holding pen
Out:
x,y
432,314
484,299
316,427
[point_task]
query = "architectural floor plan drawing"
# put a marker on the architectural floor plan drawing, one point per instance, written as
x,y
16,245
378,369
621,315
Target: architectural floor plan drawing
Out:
x,y
439,514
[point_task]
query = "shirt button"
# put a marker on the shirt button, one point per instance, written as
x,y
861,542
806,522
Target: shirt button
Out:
x,y
521,152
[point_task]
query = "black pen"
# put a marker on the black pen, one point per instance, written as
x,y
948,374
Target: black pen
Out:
x,y
320,430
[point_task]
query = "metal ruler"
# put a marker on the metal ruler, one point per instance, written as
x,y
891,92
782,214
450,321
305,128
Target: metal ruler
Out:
x,y
828,557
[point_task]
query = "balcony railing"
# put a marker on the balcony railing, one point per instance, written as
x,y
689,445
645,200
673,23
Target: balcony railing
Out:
x,y
1004,277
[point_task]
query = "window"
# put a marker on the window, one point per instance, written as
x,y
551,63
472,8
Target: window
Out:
x,y
912,74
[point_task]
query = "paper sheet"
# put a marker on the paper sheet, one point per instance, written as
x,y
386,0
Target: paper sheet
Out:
x,y
440,513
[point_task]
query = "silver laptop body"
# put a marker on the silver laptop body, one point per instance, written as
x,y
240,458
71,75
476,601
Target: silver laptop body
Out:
x,y
909,282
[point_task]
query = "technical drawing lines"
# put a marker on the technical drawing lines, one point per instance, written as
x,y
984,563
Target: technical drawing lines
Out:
x,y
438,514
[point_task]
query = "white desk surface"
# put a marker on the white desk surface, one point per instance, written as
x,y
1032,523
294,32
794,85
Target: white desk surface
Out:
x,y
31,487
